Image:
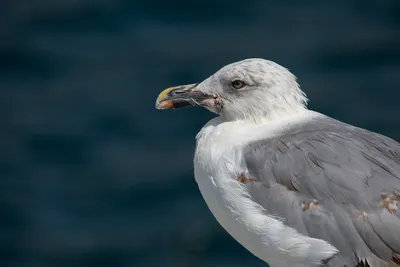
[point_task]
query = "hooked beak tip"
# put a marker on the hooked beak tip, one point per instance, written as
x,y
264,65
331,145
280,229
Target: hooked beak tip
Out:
x,y
162,102
175,97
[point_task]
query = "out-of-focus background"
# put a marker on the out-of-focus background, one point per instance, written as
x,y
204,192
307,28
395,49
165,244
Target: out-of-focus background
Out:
x,y
92,175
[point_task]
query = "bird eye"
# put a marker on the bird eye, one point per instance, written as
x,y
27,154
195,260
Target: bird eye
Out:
x,y
237,84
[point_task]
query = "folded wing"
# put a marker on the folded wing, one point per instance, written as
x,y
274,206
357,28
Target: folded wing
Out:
x,y
335,182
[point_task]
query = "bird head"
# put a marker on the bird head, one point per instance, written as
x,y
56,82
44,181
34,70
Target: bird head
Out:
x,y
251,89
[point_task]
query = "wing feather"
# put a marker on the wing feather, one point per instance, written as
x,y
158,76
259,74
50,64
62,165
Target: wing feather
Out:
x,y
335,182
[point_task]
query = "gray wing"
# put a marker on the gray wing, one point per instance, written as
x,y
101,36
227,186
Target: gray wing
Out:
x,y
335,182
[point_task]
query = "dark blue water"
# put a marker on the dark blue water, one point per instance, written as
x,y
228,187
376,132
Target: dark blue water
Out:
x,y
93,175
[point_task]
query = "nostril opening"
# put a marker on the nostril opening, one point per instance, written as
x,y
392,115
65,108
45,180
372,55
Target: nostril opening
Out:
x,y
178,92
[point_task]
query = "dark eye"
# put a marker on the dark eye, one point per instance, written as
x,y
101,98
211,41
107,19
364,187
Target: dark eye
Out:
x,y
237,84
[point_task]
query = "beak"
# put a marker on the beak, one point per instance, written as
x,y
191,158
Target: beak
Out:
x,y
180,96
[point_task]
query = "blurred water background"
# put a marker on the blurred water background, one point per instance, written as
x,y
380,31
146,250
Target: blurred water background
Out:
x,y
92,175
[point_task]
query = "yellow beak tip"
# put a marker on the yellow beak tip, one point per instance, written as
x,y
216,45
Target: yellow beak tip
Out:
x,y
163,95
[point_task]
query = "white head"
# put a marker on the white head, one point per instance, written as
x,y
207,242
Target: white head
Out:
x,y
251,89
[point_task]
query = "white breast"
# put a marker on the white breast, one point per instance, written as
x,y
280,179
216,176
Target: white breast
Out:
x,y
216,166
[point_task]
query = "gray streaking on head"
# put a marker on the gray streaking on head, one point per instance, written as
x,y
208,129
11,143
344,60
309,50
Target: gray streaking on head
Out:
x,y
293,186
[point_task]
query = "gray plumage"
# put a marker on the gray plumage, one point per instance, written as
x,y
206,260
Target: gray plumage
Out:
x,y
335,182
326,179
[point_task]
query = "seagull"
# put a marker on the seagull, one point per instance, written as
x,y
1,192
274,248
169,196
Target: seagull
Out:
x,y
293,186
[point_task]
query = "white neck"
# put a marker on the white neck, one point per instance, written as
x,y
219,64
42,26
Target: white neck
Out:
x,y
254,115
